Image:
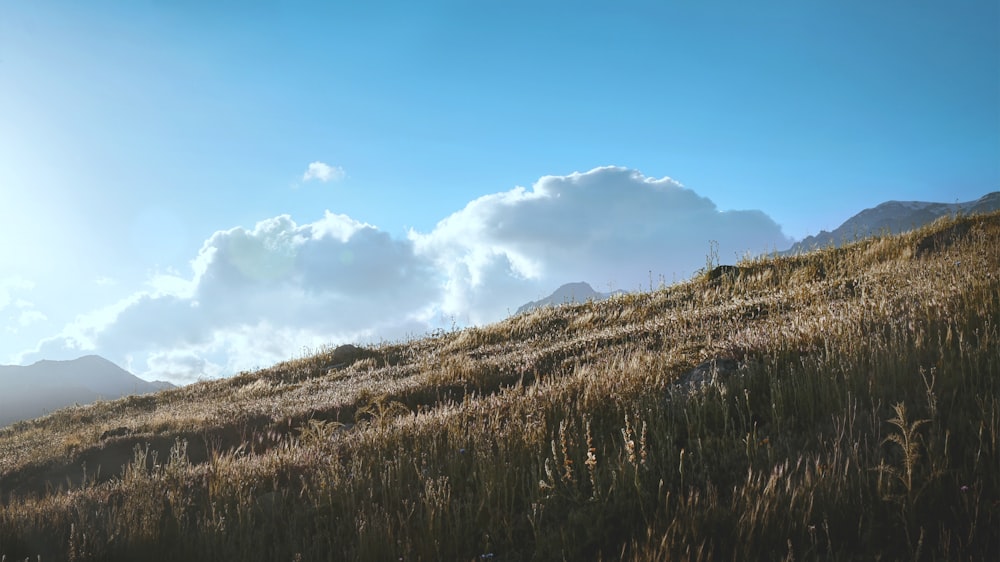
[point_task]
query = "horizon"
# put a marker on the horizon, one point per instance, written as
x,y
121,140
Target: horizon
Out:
x,y
192,190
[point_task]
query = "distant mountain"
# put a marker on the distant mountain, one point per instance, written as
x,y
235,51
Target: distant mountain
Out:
x,y
894,217
570,292
162,385
32,391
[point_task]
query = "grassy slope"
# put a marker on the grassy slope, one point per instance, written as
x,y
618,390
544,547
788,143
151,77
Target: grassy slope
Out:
x,y
853,412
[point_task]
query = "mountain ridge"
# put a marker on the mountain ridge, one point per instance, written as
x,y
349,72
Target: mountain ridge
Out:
x,y
47,385
894,217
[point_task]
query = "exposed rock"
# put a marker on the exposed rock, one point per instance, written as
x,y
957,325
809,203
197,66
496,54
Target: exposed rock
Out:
x,y
708,372
346,355
721,272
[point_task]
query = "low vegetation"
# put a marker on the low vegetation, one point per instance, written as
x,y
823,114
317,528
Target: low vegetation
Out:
x,y
839,405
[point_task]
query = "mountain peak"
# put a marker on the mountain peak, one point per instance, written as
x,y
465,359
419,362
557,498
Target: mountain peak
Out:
x,y
47,385
894,217
577,292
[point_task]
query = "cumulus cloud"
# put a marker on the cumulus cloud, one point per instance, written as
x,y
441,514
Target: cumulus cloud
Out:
x,y
610,226
254,296
323,172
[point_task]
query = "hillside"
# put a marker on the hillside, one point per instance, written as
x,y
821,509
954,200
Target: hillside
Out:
x,y
842,404
31,391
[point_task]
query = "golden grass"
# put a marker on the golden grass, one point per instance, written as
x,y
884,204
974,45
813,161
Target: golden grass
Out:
x,y
837,405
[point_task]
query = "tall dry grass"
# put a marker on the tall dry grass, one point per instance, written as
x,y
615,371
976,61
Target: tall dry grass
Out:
x,y
839,405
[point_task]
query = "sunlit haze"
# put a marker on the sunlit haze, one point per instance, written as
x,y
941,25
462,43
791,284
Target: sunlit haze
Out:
x,y
191,189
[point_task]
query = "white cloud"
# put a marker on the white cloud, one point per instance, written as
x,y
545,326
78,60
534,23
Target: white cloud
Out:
x,y
30,316
81,334
256,296
323,172
10,285
261,295
610,226
22,312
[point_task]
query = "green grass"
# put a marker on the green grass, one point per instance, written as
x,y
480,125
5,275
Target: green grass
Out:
x,y
853,414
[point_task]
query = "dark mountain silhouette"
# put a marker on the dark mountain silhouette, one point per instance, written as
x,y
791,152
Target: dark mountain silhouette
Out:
x,y
570,292
894,217
35,390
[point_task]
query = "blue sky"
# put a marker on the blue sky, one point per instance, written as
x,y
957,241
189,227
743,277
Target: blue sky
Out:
x,y
140,139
